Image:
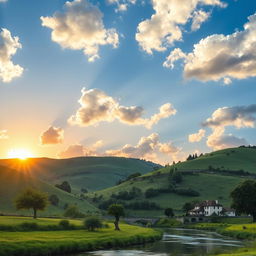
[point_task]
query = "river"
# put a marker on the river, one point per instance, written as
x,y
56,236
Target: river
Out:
x,y
177,242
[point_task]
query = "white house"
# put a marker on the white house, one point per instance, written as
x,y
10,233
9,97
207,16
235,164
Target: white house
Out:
x,y
208,208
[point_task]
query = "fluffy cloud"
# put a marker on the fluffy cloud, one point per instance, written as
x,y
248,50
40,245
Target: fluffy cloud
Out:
x,y
2,1
52,135
8,47
196,137
80,27
219,57
3,135
97,106
78,150
122,5
218,140
238,116
165,25
147,147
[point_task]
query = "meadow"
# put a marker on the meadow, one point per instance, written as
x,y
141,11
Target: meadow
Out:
x,y
40,243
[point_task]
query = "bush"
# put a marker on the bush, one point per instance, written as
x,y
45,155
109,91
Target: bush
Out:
x,y
187,192
92,223
73,212
54,200
64,224
151,193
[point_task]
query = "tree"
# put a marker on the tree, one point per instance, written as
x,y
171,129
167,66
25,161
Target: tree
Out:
x,y
54,200
73,212
244,200
32,199
64,186
92,223
169,212
116,210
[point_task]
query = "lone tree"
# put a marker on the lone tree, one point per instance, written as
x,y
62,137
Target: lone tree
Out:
x,y
169,212
244,200
116,210
92,223
32,199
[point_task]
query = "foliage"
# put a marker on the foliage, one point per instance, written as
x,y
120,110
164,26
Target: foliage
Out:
x,y
65,186
244,200
187,192
54,200
169,212
127,195
92,223
73,212
175,177
116,210
142,205
189,206
151,193
32,199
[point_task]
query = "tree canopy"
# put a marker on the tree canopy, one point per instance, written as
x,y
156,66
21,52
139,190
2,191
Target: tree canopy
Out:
x,y
32,199
244,199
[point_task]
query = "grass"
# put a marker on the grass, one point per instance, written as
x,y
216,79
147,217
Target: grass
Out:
x,y
61,242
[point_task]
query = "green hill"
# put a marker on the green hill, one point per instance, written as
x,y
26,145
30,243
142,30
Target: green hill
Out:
x,y
212,176
12,182
92,173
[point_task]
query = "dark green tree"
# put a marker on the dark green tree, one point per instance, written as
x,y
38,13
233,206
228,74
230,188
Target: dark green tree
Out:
x,y
72,211
92,223
64,186
116,210
54,200
32,199
169,212
244,199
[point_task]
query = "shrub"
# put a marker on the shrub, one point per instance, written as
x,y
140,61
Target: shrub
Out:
x,y
151,193
54,200
187,192
64,224
73,212
92,223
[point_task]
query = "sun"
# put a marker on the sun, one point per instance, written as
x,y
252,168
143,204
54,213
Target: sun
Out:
x,y
20,153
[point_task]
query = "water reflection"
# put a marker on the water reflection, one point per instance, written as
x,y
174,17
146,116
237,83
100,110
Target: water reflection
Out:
x,y
177,242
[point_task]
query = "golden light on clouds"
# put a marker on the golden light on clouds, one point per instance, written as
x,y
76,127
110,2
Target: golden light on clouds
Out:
x,y
19,153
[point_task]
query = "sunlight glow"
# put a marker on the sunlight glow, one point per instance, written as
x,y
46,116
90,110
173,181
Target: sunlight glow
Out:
x,y
21,154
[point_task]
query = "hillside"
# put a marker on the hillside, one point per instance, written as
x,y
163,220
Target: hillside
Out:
x,y
92,173
12,182
196,176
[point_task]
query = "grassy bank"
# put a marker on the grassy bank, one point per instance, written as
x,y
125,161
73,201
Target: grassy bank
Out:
x,y
238,231
40,243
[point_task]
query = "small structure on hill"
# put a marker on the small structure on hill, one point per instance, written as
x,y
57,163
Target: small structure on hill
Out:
x,y
210,208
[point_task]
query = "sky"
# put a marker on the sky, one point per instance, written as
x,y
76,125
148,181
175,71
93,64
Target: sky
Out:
x,y
152,79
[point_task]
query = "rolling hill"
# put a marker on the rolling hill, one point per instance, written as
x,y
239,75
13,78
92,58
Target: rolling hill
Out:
x,y
92,173
12,182
212,175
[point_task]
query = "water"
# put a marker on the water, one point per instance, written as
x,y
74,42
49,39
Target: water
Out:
x,y
177,242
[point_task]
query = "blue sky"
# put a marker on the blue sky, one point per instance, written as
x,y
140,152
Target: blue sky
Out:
x,y
46,94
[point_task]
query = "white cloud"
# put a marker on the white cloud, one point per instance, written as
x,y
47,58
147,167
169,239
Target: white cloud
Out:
x,y
97,106
218,140
196,137
3,135
147,147
52,136
80,27
219,57
78,150
2,1
8,47
165,25
122,5
238,116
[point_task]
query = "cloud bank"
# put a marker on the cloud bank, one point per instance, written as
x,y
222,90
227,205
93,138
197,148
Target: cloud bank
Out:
x,y
80,27
166,25
8,48
97,106
52,136
219,57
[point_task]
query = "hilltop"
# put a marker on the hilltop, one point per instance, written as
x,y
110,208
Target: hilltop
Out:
x,y
14,181
211,176
91,173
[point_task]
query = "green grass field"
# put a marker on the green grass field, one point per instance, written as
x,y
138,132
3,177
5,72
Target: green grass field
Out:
x,y
60,242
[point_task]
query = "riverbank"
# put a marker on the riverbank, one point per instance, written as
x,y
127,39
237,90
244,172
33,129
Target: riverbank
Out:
x,y
41,243
238,231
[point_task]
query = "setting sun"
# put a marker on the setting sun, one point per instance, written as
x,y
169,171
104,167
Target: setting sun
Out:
x,y
21,154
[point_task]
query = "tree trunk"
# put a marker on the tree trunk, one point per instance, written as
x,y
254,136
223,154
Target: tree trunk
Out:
x,y
116,223
34,213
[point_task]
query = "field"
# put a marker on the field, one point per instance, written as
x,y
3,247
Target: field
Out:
x,y
60,242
